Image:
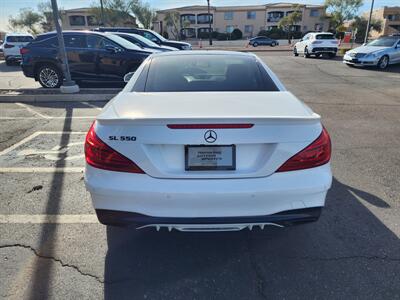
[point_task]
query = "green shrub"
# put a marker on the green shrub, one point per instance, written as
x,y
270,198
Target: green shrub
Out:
x,y
222,36
236,34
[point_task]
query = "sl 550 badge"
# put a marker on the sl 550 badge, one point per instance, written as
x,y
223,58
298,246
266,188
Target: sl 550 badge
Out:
x,y
125,138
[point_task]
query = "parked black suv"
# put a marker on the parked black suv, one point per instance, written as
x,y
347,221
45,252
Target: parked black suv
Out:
x,y
148,34
92,56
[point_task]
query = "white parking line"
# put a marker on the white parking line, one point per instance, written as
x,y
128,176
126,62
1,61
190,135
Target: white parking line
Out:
x,y
47,118
42,170
48,219
91,105
33,135
32,110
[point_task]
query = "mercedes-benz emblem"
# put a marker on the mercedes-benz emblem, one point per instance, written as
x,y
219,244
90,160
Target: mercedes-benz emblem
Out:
x,y
210,136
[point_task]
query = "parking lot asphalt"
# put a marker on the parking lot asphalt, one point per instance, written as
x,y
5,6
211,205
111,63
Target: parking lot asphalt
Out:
x,y
51,246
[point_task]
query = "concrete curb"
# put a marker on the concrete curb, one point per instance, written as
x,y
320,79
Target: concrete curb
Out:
x,y
40,95
56,98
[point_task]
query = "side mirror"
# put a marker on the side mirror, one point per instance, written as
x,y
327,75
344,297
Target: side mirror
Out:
x,y
128,76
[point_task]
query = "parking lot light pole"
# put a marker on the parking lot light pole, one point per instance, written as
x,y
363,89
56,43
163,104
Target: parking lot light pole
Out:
x,y
209,23
68,85
369,23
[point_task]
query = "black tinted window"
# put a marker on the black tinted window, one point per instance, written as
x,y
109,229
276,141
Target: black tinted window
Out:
x,y
324,37
19,39
49,42
75,41
207,73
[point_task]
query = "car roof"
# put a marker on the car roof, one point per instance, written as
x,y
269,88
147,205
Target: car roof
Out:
x,y
322,33
18,34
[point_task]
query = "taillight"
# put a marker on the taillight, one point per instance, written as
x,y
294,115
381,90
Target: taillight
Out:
x,y
8,46
23,51
101,156
316,154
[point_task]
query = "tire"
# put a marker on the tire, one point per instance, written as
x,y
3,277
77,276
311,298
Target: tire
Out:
x,y
8,62
318,55
273,45
306,54
255,44
49,76
383,62
331,55
295,52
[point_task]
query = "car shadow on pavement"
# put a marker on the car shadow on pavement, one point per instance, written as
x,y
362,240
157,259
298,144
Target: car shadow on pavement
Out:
x,y
348,252
13,68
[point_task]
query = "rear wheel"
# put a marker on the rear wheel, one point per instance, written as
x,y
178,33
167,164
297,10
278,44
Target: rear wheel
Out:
x,y
8,62
317,55
273,44
255,44
383,62
49,76
331,55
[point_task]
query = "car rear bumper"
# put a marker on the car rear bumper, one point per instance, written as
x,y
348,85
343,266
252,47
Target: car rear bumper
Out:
x,y
13,57
281,219
324,50
27,70
214,198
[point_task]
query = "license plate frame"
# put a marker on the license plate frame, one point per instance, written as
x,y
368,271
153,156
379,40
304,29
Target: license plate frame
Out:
x,y
211,167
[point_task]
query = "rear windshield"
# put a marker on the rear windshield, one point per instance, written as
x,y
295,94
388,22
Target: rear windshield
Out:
x,y
207,72
324,37
19,39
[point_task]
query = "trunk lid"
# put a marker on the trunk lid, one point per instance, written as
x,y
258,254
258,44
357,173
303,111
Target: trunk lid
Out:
x,y
281,126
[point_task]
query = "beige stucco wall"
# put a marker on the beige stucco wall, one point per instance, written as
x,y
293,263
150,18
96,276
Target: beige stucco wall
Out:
x,y
240,19
382,15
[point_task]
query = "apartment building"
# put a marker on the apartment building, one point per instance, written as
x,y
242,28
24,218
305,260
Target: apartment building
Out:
x,y
390,18
249,19
84,19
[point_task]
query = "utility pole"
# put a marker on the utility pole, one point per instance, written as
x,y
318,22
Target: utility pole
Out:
x,y
68,85
102,12
209,23
369,23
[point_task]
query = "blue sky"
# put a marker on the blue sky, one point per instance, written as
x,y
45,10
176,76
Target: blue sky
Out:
x,y
11,7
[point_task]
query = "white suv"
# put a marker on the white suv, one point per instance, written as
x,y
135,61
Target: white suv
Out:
x,y
12,43
316,43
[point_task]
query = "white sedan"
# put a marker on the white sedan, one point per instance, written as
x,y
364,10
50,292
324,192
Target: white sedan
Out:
x,y
207,141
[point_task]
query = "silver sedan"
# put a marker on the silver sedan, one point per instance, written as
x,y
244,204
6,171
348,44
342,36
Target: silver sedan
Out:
x,y
380,53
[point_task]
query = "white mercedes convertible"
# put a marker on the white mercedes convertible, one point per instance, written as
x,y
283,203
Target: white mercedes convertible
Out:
x,y
207,141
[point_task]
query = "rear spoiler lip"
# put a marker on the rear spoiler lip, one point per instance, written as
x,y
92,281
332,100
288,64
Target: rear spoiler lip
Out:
x,y
222,120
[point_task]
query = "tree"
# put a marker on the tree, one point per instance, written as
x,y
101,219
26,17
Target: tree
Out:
x,y
342,10
236,34
115,11
360,24
143,12
172,20
26,19
46,10
287,23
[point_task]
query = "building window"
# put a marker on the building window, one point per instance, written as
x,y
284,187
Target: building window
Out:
x,y
228,15
188,32
275,16
314,12
393,17
248,29
251,15
77,20
229,28
318,27
204,18
188,18
92,21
